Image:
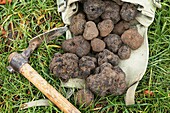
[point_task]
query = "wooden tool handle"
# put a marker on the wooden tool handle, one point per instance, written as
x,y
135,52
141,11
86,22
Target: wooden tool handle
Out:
x,y
50,92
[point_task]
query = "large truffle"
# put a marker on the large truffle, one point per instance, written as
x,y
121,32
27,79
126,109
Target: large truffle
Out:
x,y
121,27
128,12
124,52
86,65
77,45
85,97
111,11
107,56
108,81
105,27
90,31
132,38
113,42
77,24
65,66
93,8
98,45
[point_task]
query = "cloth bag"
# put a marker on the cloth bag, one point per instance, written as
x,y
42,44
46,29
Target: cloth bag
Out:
x,y
136,65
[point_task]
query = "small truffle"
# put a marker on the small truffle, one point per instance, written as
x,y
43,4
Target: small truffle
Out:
x,y
77,24
128,12
77,45
97,45
86,65
108,57
132,38
124,52
93,8
108,81
90,31
121,27
113,42
85,97
111,12
105,27
65,66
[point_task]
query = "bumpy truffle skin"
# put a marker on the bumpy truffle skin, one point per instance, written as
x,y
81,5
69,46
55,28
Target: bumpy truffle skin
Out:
x,y
113,42
121,27
111,11
105,27
65,66
77,24
85,97
97,45
93,8
86,65
77,45
124,52
108,57
109,81
132,38
90,31
128,12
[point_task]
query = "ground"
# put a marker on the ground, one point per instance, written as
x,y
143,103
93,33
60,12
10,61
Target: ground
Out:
x,y
29,18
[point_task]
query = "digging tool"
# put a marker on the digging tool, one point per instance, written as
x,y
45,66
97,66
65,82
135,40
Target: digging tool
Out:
x,y
19,63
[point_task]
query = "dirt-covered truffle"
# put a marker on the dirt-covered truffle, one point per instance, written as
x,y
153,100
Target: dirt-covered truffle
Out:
x,y
85,97
98,45
108,81
77,24
90,31
107,56
65,66
86,65
93,8
132,38
112,11
124,52
128,11
121,27
113,42
105,27
77,45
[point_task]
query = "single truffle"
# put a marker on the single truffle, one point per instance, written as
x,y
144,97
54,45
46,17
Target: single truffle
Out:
x,y
124,52
109,81
121,27
128,12
93,8
105,27
90,31
97,45
77,45
132,38
113,42
85,97
86,65
111,11
65,66
77,24
107,56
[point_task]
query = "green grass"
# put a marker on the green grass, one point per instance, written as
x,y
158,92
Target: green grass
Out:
x,y
32,17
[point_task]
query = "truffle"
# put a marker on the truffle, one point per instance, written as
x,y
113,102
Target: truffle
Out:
x,y
98,45
77,45
132,38
90,31
65,66
105,27
121,27
107,56
113,42
128,12
124,52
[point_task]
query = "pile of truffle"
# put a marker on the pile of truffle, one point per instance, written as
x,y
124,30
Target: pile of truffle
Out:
x,y
104,34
